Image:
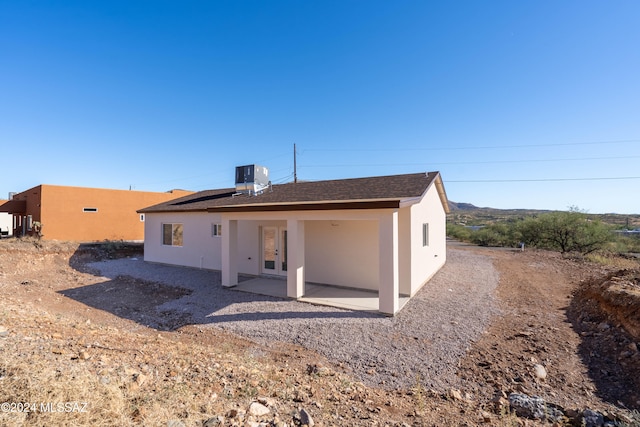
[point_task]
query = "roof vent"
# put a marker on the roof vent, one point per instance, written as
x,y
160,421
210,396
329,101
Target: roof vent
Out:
x,y
12,194
252,179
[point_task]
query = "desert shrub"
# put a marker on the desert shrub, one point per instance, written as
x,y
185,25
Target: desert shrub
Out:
x,y
459,232
625,243
572,231
498,234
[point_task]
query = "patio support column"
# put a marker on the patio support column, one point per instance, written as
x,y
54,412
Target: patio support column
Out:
x,y
295,258
388,287
229,252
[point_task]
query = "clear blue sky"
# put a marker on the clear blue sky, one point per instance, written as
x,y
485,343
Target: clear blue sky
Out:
x,y
540,96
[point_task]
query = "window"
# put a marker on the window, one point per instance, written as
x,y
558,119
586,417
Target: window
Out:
x,y
172,234
425,234
141,217
89,209
29,222
216,230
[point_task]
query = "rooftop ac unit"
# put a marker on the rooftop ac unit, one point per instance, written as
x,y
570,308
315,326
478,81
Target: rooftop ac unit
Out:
x,y
252,179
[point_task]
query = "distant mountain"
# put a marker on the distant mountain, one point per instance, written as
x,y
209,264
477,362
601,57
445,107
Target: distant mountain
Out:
x,y
454,206
469,214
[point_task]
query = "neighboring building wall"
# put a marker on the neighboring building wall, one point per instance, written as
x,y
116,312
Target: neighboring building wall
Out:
x,y
88,214
32,211
427,260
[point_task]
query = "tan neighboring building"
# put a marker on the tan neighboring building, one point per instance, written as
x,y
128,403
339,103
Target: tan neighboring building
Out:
x,y
82,214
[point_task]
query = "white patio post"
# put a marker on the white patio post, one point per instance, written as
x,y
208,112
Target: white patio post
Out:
x,y
229,252
295,258
388,287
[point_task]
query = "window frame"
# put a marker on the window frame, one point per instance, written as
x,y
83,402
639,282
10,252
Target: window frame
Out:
x,y
425,234
216,230
177,230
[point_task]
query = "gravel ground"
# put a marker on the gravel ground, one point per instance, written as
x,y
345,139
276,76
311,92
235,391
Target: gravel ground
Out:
x,y
421,345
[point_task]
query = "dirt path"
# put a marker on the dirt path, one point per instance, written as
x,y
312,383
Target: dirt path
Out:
x,y
540,325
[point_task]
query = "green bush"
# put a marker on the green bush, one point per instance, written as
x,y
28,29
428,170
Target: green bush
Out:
x,y
499,234
571,231
459,232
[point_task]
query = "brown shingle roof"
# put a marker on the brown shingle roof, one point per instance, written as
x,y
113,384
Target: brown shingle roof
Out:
x,y
379,191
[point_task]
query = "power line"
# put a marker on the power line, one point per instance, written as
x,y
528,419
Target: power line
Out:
x,y
476,162
544,179
485,147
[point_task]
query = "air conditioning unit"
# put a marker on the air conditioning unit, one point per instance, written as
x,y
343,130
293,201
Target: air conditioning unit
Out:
x,y
252,179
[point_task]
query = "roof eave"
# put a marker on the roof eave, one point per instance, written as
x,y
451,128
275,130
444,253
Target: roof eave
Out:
x,y
310,206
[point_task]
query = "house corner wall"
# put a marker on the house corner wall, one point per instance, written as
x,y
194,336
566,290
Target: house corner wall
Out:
x,y
427,260
200,249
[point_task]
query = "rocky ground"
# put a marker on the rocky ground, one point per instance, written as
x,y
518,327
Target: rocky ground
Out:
x,y
568,333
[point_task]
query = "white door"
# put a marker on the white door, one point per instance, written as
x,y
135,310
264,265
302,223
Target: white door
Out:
x,y
274,250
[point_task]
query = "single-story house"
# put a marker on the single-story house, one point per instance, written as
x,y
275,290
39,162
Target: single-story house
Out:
x,y
56,212
384,234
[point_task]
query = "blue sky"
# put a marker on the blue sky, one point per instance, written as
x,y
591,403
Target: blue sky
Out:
x,y
519,104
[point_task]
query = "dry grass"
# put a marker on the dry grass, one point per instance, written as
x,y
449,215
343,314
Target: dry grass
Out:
x,y
124,378
614,261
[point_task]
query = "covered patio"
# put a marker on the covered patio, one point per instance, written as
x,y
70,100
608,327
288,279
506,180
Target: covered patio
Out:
x,y
316,293
381,243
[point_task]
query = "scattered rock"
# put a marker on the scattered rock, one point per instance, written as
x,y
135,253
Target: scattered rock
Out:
x,y
140,379
305,418
539,371
4,332
257,409
175,423
500,404
267,401
534,407
591,418
214,422
455,394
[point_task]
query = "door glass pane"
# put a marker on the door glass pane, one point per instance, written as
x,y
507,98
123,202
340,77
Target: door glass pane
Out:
x,y
269,255
284,250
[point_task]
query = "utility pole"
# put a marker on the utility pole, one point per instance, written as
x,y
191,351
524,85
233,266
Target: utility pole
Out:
x,y
295,170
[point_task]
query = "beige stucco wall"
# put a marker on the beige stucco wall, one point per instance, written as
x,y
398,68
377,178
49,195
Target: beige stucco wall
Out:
x,y
427,260
342,252
200,249
340,247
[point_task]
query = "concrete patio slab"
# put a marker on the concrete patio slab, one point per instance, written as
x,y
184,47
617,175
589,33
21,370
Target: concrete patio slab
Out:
x,y
315,293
